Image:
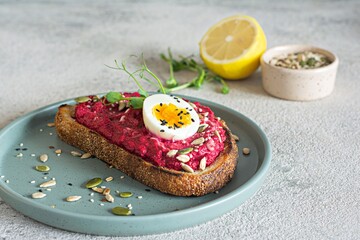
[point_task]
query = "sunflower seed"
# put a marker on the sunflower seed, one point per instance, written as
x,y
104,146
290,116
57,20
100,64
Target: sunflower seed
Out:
x,y
43,157
202,127
42,168
73,198
121,211
218,135
236,138
76,154
93,182
202,165
86,155
187,168
58,151
97,189
38,195
185,150
109,179
198,141
122,105
109,198
183,158
51,124
171,153
106,191
246,151
48,184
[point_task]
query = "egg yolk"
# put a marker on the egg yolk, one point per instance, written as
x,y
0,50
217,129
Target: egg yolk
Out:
x,y
172,116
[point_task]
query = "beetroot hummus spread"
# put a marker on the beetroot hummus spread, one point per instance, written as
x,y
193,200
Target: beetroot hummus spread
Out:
x,y
125,128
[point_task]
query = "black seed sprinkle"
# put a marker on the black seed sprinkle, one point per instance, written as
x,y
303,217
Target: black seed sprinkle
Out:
x,y
51,147
190,110
161,104
178,101
17,149
180,117
157,110
192,120
24,149
70,184
46,173
176,126
181,123
162,130
40,190
148,190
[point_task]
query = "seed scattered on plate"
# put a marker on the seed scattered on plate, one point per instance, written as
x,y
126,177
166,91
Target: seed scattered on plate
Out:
x,y
43,157
2,176
97,189
47,184
122,177
106,191
101,204
93,182
19,155
33,181
42,168
109,198
51,124
139,197
198,141
75,154
109,179
50,134
53,206
91,194
121,211
33,155
38,195
58,151
7,181
86,155
171,153
246,151
91,200
185,150
73,198
125,194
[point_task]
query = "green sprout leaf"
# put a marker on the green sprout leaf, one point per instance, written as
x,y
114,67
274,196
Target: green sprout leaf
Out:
x,y
137,103
113,97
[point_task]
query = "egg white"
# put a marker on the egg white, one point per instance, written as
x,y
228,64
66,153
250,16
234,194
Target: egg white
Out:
x,y
154,125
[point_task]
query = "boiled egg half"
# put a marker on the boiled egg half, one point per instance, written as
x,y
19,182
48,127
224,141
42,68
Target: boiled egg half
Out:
x,y
170,117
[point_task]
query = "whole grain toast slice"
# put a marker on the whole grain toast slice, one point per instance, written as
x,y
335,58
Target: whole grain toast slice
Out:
x,y
166,180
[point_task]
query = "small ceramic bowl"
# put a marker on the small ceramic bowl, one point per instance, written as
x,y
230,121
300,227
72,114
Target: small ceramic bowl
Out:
x,y
298,84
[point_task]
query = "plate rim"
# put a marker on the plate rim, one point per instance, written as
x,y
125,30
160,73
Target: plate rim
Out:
x,y
255,179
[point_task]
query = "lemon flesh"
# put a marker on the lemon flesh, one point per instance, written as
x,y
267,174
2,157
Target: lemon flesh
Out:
x,y
232,48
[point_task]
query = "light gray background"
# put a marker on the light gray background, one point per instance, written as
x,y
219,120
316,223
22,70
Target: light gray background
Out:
x,y
50,51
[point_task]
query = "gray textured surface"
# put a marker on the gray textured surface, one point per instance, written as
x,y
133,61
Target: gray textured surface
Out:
x,y
53,51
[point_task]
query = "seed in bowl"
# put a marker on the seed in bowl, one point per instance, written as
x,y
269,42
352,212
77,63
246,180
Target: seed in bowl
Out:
x,y
301,60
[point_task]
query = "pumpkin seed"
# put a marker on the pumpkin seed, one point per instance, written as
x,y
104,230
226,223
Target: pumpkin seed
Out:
x,y
198,141
218,135
86,155
76,154
121,211
185,150
44,157
109,198
122,105
50,183
183,158
93,182
202,127
246,151
187,168
73,198
171,153
125,194
38,195
51,124
82,99
42,168
202,165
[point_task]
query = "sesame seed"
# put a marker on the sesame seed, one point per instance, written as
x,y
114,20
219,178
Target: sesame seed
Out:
x,y
91,200
192,120
162,130
122,177
53,178
33,155
45,177
91,194
139,197
41,130
50,134
101,204
33,181
2,176
21,144
7,181
48,189
103,187
19,155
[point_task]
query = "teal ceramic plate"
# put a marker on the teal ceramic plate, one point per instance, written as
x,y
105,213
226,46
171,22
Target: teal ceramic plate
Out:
x,y
153,211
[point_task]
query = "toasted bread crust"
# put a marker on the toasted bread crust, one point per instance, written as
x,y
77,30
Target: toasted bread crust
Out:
x,y
165,180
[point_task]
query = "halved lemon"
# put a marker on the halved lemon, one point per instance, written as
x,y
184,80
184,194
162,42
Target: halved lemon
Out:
x,y
232,48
